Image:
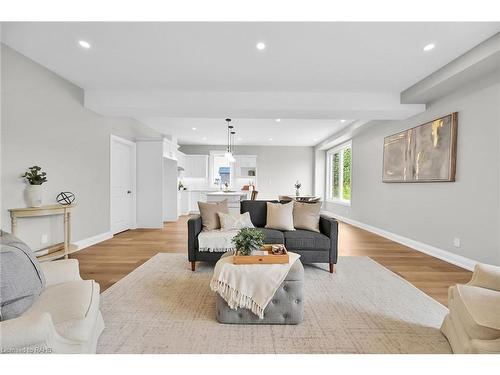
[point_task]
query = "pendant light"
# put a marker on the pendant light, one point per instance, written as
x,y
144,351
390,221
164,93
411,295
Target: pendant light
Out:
x,y
230,142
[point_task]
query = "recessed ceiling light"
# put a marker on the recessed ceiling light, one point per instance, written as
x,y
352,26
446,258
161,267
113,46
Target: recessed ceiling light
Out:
x,y
270,139
278,120
342,121
240,139
315,139
260,46
84,44
193,128
429,46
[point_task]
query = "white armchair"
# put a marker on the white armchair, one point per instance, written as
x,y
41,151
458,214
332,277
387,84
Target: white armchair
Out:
x,y
473,323
64,319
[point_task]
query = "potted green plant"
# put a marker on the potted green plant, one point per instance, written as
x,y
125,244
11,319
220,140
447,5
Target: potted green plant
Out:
x,y
35,178
248,240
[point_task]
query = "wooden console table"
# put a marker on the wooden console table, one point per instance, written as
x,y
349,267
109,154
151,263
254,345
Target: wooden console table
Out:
x,y
55,251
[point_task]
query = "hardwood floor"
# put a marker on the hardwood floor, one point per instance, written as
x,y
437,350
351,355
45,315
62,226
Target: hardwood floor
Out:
x,y
109,261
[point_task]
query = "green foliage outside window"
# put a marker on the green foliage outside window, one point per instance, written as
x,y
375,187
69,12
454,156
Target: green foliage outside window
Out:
x,y
347,174
336,172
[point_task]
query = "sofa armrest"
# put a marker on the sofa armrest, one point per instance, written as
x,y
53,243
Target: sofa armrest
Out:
x,y
330,228
486,276
34,332
60,271
194,228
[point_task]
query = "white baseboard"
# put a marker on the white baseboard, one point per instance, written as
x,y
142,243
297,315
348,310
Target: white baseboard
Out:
x,y
82,244
447,256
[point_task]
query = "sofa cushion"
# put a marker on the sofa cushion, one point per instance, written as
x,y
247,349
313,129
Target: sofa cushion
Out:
x,y
73,307
272,236
257,211
477,308
280,216
21,279
209,213
306,216
306,240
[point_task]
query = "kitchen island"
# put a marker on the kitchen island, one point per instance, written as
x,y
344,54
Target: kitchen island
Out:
x,y
233,199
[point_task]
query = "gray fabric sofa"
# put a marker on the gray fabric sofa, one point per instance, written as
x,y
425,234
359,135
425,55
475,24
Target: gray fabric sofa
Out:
x,y
313,247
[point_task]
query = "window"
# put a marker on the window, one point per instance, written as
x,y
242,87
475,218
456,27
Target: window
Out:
x,y
339,174
221,169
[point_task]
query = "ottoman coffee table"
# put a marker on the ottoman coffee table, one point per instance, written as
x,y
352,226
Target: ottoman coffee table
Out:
x,y
286,307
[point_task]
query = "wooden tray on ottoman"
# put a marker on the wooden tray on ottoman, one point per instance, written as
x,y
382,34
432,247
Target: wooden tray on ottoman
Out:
x,y
268,258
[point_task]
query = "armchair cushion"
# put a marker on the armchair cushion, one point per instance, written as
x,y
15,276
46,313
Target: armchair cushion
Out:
x,y
73,307
60,271
478,310
21,279
486,276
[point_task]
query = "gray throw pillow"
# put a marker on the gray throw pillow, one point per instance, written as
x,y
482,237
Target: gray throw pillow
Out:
x,y
21,279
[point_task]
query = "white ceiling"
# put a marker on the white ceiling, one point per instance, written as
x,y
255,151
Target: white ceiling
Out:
x,y
222,56
287,132
347,67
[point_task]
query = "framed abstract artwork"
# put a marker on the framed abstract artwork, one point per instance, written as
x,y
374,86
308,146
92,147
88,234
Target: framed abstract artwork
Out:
x,y
425,153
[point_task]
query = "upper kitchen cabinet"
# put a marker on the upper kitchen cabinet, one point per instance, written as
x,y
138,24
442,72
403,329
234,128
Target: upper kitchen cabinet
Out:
x,y
170,149
196,166
245,166
181,159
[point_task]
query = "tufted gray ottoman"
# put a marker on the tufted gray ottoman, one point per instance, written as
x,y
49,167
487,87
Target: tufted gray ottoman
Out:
x,y
286,307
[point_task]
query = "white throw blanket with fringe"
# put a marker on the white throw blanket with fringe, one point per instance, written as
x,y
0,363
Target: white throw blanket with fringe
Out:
x,y
249,286
216,241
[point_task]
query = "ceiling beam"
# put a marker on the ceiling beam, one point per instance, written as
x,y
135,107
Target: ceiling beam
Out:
x,y
217,104
480,61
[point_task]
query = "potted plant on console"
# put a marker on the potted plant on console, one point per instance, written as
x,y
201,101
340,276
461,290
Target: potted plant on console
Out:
x,y
35,178
248,240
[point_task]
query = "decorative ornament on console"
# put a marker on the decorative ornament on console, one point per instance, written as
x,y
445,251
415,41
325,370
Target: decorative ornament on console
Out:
x,y
65,198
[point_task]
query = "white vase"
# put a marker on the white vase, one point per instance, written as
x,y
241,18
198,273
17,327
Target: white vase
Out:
x,y
34,195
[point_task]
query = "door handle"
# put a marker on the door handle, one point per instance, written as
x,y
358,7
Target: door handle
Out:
x,y
129,191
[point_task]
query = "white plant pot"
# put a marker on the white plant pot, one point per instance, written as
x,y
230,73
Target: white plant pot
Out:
x,y
34,195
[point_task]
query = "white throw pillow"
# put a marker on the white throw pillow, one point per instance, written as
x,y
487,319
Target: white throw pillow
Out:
x,y
280,216
235,221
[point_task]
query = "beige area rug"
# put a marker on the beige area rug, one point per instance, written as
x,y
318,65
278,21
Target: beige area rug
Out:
x,y
163,307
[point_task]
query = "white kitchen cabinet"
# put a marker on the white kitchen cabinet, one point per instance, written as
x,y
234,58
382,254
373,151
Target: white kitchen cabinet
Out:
x,y
184,202
181,159
194,197
245,166
170,149
196,166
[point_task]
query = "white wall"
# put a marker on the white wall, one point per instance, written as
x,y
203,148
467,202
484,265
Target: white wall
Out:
x,y
44,123
170,190
150,191
435,213
278,167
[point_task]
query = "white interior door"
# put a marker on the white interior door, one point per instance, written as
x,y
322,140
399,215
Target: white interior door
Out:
x,y
122,184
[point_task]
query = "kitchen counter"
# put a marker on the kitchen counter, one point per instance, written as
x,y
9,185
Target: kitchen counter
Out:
x,y
233,199
240,193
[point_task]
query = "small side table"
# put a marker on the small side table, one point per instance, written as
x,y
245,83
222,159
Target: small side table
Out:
x,y
54,251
